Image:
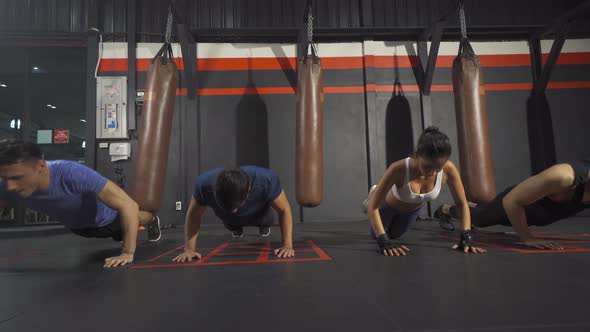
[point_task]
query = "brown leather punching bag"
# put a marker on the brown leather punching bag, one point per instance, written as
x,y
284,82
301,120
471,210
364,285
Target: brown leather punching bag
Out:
x,y
155,129
472,126
309,151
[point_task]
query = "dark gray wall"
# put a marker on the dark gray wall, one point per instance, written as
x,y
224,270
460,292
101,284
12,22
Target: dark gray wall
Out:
x,y
345,165
364,133
569,110
394,124
260,129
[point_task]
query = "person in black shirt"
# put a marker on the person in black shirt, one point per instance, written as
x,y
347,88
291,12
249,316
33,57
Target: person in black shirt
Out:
x,y
558,192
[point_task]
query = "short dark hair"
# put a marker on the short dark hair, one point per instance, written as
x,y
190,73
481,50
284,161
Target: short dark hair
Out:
x,y
433,144
13,151
231,188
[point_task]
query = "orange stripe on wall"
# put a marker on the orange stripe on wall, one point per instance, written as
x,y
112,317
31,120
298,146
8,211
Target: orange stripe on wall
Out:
x,y
489,87
375,88
247,91
275,63
569,85
374,61
529,86
113,65
407,88
344,89
209,64
144,64
229,64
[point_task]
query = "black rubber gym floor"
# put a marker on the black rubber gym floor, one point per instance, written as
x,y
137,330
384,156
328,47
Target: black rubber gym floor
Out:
x,y
337,282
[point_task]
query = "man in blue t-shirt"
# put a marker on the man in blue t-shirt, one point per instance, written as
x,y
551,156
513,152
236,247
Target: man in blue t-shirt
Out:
x,y
243,196
83,200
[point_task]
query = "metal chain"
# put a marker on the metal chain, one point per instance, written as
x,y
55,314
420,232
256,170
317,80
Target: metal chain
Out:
x,y
169,26
310,27
462,21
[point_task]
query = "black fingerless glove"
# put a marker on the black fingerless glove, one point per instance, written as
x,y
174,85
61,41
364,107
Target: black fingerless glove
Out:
x,y
465,240
385,242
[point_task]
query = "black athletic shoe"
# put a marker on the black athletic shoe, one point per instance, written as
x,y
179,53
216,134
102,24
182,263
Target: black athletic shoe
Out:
x,y
154,230
444,219
237,233
264,231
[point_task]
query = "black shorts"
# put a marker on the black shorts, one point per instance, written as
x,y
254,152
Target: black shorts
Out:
x,y
112,230
493,213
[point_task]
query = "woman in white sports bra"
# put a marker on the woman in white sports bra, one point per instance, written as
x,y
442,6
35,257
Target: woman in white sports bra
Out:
x,y
394,203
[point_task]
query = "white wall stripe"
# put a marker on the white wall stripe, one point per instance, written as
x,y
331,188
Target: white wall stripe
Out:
x,y
481,48
144,50
237,50
378,48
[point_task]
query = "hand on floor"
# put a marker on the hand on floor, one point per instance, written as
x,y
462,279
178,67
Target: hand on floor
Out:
x,y
542,244
391,248
120,260
285,252
187,256
396,251
466,243
468,249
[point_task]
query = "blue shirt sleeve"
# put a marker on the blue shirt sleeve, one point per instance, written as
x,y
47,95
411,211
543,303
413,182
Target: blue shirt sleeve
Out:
x,y
81,179
274,188
198,191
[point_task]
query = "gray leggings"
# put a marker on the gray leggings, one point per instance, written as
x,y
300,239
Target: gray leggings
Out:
x,y
396,222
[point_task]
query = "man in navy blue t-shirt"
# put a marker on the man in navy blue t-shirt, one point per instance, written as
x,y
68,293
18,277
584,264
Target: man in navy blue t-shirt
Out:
x,y
77,196
243,196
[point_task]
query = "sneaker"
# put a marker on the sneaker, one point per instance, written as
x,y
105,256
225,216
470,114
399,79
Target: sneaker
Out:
x,y
444,217
366,201
153,230
237,233
264,231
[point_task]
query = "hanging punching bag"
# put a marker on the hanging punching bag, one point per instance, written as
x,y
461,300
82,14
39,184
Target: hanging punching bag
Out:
x,y
155,129
472,126
399,136
309,151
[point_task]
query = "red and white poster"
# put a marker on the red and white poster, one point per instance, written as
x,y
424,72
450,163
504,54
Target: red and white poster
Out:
x,y
61,136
